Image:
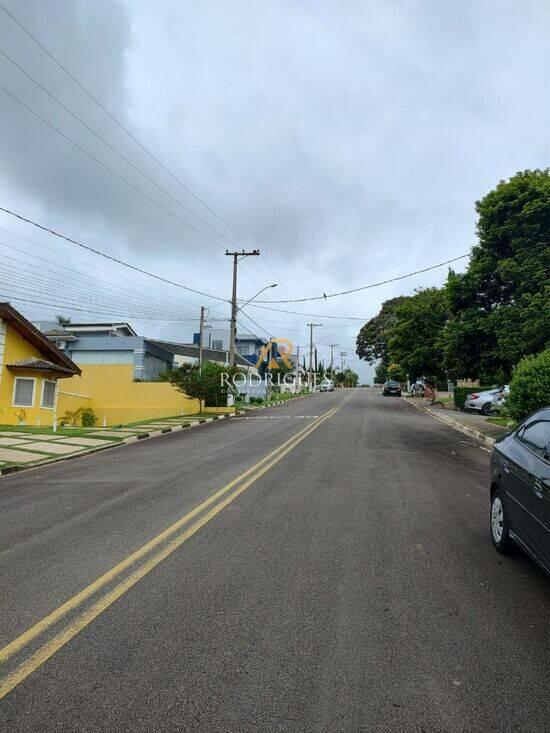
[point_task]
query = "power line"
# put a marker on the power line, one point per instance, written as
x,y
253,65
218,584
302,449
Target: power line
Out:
x,y
109,170
134,283
310,315
26,280
82,278
117,121
109,257
372,285
123,128
115,150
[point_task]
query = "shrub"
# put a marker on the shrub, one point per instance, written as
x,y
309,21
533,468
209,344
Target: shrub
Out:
x,y
530,386
259,400
252,400
88,418
460,394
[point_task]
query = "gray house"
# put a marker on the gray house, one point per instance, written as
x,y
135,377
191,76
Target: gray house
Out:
x,y
117,343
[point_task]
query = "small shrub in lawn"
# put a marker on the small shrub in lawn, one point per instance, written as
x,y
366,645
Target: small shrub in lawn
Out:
x,y
530,386
252,400
259,400
88,418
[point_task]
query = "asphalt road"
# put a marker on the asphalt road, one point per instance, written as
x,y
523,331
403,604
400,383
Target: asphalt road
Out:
x,y
345,583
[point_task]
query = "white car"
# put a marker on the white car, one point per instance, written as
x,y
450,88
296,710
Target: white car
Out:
x,y
327,385
481,401
486,402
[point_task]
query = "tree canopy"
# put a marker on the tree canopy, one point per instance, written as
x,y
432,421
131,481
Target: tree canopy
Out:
x,y
485,320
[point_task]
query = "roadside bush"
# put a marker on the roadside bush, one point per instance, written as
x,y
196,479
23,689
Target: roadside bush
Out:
x,y
252,400
530,386
88,418
460,394
259,400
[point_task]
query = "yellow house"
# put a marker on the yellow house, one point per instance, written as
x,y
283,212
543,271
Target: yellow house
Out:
x,y
30,367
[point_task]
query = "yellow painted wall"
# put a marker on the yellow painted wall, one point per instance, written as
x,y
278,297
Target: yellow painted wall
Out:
x,y
117,398
16,348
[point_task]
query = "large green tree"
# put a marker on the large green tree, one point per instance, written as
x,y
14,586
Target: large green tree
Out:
x,y
372,339
415,341
500,307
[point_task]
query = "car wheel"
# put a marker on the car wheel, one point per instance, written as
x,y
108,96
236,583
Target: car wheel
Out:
x,y
499,525
487,408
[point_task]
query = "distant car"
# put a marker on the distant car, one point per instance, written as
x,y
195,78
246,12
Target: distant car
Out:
x,y
327,385
482,401
392,388
520,489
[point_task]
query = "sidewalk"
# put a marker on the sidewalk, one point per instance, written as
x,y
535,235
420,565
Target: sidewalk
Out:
x,y
29,447
475,425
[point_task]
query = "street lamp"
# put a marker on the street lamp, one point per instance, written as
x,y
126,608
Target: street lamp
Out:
x,y
255,296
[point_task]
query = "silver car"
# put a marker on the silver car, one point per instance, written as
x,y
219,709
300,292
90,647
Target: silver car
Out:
x,y
482,402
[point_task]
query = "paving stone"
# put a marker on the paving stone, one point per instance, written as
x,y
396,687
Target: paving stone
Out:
x,y
38,436
88,442
114,433
11,441
18,456
56,448
9,433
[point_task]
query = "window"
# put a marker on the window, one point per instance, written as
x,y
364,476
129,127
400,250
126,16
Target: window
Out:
x,y
48,394
243,349
217,345
536,436
23,392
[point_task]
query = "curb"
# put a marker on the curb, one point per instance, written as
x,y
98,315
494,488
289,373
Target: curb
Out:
x,y
136,438
486,439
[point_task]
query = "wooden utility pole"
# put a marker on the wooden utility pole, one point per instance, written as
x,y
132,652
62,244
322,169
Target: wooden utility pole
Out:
x,y
332,346
233,330
311,327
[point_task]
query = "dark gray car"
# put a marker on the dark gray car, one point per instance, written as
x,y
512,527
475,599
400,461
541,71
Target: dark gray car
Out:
x,y
520,489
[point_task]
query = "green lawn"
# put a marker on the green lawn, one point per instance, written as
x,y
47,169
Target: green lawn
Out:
x,y
504,422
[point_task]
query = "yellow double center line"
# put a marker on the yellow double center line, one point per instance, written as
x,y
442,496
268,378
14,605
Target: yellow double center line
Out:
x,y
173,540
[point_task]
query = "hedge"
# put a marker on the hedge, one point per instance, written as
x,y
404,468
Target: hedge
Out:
x,y
460,394
530,386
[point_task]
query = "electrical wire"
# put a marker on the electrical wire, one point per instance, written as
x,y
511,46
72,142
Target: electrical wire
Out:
x,y
121,126
107,168
174,301
110,257
372,285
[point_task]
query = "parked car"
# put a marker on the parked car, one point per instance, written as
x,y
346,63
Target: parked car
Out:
x,y
327,385
392,388
482,401
520,489
500,398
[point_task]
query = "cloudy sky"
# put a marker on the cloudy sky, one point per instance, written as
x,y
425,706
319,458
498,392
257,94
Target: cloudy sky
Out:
x,y
348,141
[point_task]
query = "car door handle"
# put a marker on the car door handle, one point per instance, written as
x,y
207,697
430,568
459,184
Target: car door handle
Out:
x,y
506,466
541,486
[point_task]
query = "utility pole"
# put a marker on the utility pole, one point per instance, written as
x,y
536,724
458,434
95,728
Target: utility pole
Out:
x,y
342,354
233,330
332,360
311,327
201,338
297,378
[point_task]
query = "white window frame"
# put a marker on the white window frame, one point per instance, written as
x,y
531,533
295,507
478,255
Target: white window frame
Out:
x,y
42,405
29,379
